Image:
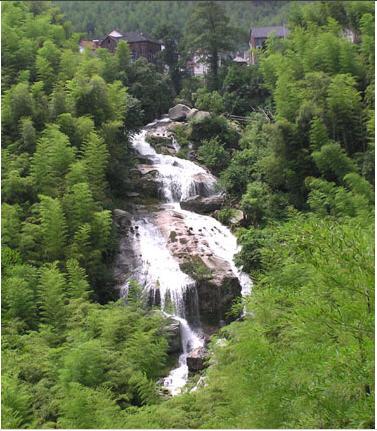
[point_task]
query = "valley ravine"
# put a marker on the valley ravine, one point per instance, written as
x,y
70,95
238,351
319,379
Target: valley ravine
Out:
x,y
163,242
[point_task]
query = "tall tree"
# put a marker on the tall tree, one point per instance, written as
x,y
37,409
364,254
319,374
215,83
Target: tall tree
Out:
x,y
171,37
209,34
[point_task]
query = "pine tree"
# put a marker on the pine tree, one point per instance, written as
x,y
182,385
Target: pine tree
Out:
x,y
209,35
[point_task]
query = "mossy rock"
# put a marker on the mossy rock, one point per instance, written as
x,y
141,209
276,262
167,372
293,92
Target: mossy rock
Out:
x,y
159,141
196,268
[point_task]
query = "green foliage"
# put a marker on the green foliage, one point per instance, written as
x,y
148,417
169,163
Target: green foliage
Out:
x,y
16,404
212,102
258,203
332,160
211,127
243,90
224,215
51,161
77,280
213,154
304,358
302,355
52,298
85,364
210,34
84,407
95,157
53,227
149,17
150,87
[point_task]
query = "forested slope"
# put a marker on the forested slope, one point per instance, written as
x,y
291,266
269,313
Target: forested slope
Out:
x,y
301,170
66,119
99,18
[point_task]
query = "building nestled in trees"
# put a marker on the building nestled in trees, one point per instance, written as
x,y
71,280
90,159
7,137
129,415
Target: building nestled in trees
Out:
x,y
196,67
89,44
141,45
259,35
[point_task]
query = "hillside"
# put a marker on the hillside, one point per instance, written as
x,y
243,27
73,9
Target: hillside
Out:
x,y
185,252
148,16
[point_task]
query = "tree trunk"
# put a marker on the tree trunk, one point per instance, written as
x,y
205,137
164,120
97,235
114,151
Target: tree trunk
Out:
x,y
213,84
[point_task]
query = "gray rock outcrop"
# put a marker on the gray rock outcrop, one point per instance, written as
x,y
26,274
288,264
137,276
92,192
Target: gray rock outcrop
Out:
x,y
198,116
179,112
203,205
196,359
216,283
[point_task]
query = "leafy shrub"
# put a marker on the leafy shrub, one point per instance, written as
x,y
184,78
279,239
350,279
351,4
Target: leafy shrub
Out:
x,y
212,102
211,127
213,155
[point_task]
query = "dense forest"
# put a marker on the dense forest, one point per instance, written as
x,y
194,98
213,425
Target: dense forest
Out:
x,y
300,168
98,18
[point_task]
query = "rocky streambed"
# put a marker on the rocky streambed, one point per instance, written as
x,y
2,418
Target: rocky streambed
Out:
x,y
181,256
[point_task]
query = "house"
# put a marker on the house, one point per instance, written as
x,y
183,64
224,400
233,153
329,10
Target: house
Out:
x,y
259,35
88,44
240,58
141,45
196,67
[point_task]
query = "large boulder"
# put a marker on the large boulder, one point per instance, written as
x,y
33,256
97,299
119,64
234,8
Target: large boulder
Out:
x,y
198,116
203,205
216,285
192,113
179,112
196,359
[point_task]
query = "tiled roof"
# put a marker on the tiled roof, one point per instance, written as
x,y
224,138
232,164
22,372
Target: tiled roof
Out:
x,y
264,32
133,36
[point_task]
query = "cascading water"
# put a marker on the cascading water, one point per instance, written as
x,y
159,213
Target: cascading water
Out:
x,y
158,271
180,178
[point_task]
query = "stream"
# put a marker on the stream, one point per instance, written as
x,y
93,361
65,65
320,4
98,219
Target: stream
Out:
x,y
157,265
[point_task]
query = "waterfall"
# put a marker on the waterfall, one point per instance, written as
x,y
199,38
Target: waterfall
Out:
x,y
158,270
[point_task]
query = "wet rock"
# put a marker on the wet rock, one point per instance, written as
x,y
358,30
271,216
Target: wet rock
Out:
x,y
144,160
132,194
122,219
196,359
215,298
179,112
216,284
203,205
173,333
146,181
162,143
153,297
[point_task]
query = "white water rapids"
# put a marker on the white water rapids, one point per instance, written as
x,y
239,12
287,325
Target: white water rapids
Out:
x,y
158,271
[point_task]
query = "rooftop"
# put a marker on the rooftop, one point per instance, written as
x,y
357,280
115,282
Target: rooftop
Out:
x,y
264,32
133,36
